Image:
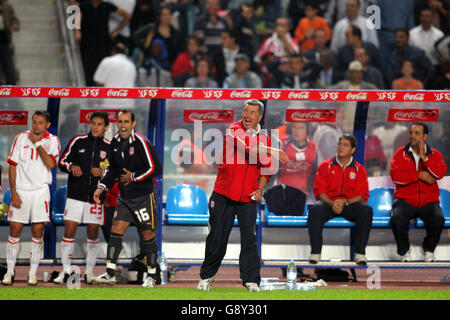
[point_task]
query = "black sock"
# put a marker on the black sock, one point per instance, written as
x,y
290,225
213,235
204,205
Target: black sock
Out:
x,y
151,253
113,250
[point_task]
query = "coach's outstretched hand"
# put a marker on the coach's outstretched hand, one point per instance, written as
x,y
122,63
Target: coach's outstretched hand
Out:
x,y
97,195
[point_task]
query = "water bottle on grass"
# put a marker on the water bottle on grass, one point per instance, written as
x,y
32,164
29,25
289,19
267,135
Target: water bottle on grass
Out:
x,y
291,276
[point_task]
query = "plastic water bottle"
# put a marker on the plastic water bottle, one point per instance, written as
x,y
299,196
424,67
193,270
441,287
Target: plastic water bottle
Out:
x,y
164,272
291,276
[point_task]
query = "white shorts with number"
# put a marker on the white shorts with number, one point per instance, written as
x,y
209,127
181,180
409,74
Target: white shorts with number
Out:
x,y
84,212
35,207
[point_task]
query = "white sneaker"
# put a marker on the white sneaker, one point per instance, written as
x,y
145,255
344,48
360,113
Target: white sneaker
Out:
x,y
61,278
429,256
88,278
8,279
149,282
32,279
205,284
406,257
104,279
314,258
360,259
251,286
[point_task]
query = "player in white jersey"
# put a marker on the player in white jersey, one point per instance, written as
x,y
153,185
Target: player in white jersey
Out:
x,y
33,154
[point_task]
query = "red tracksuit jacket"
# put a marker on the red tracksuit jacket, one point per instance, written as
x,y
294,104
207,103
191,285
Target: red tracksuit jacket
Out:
x,y
406,177
238,174
340,183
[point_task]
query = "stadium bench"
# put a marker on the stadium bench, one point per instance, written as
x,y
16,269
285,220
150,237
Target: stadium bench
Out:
x,y
6,201
58,205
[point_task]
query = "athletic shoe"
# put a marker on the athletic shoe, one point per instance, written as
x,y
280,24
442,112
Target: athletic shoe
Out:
x,y
104,279
360,259
205,284
314,258
32,279
8,279
429,256
88,278
61,278
251,286
406,257
149,282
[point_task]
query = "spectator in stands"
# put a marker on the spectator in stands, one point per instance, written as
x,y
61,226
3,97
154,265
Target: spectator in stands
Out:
x,y
328,75
242,77
346,53
336,10
294,72
371,73
267,12
224,59
407,81
415,170
352,18
209,27
94,37
306,27
281,44
9,23
423,70
154,71
144,13
183,67
374,158
425,35
245,23
326,137
202,75
341,186
320,43
355,74
442,81
124,35
165,31
395,15
387,133
297,172
440,12
116,71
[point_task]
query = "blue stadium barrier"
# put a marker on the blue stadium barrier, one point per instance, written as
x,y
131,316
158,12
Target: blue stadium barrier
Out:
x,y
444,198
380,200
59,204
6,201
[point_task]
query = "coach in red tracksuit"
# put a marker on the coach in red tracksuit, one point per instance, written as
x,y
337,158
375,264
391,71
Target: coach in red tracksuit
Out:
x,y
245,169
341,186
415,169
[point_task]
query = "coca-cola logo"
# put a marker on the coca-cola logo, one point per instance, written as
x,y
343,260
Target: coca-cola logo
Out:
x,y
441,96
311,115
356,96
59,93
246,94
271,95
298,95
327,95
213,94
209,116
182,94
5,92
147,93
13,117
405,115
31,91
386,95
414,96
117,93
89,93
85,115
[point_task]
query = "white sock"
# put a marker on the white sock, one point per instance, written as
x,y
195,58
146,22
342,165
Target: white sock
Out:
x,y
36,254
12,250
67,246
91,256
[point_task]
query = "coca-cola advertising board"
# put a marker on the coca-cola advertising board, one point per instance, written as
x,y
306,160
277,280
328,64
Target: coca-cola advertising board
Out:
x,y
208,115
311,115
413,115
85,115
13,118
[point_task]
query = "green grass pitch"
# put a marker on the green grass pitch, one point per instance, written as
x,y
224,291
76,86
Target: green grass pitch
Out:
x,y
114,293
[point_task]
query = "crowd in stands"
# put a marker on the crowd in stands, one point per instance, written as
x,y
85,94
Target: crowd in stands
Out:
x,y
272,43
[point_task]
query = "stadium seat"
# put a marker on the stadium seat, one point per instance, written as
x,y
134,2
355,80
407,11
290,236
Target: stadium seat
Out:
x,y
188,204
444,198
5,205
59,204
7,196
381,202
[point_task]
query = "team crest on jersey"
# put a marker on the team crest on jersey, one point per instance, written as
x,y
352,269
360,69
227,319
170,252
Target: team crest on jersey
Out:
x,y
131,151
102,154
352,175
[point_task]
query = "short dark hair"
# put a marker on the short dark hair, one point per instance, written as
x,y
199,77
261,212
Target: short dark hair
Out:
x,y
351,139
42,113
356,31
232,33
120,47
127,111
424,126
101,114
405,31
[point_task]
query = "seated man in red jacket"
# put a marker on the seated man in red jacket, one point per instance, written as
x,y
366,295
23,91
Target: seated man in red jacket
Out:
x,y
342,187
415,169
241,178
